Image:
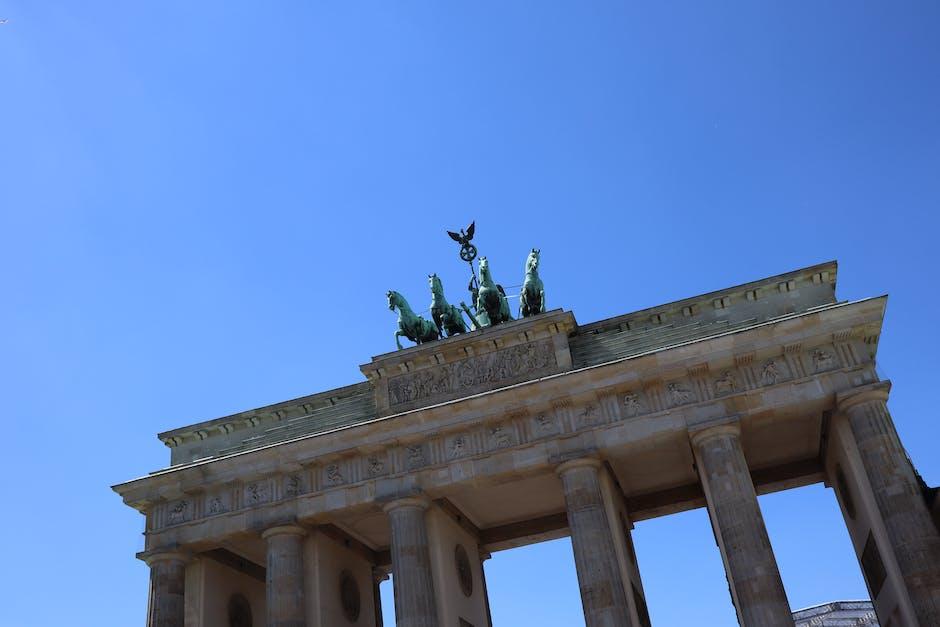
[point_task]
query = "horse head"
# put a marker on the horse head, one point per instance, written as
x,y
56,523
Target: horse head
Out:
x,y
532,262
393,299
485,277
435,282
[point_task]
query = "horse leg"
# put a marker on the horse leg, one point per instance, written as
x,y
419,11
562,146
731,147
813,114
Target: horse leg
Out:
x,y
398,341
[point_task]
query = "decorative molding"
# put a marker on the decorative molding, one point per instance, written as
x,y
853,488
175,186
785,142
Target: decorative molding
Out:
x,y
499,366
516,428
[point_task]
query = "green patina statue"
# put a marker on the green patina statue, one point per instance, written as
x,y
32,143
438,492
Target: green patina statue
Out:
x,y
410,324
492,305
532,297
447,317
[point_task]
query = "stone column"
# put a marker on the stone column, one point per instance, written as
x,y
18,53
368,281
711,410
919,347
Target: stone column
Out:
x,y
756,587
602,589
285,576
378,576
486,595
167,583
913,536
415,604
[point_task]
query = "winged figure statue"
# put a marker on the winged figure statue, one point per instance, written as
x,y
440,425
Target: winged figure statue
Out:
x,y
468,251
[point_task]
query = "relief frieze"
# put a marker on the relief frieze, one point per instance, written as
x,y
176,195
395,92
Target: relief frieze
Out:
x,y
473,372
458,446
216,505
375,466
178,512
589,416
633,404
293,486
726,384
679,394
545,425
415,456
824,360
257,492
333,475
770,373
501,436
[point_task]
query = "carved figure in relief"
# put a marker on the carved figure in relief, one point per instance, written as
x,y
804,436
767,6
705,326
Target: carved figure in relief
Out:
x,y
492,306
589,415
823,360
410,324
216,506
631,404
468,373
678,394
292,487
726,384
501,437
770,373
532,297
178,512
447,317
376,466
457,446
546,424
256,492
334,474
415,456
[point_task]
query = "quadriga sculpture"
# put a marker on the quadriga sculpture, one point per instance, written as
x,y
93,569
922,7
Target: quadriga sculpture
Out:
x,y
532,297
447,317
410,324
492,306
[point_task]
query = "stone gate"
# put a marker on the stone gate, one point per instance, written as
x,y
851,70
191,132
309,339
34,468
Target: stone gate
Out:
x,y
540,428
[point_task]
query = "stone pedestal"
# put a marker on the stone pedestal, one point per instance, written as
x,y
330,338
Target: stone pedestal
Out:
x,y
909,528
285,576
167,583
739,528
602,588
415,604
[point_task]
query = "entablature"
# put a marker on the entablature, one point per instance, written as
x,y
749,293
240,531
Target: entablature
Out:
x,y
746,371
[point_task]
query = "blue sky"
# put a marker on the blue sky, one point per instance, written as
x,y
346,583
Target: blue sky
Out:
x,y
203,204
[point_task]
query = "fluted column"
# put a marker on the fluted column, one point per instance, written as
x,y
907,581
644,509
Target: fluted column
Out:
x,y
602,590
415,604
913,536
167,583
736,518
285,576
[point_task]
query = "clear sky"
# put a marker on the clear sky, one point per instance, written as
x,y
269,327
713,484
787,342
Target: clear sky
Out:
x,y
202,205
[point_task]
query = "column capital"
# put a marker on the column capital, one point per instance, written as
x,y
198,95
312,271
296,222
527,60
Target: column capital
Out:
x,y
419,502
153,556
581,462
283,530
484,555
701,433
873,392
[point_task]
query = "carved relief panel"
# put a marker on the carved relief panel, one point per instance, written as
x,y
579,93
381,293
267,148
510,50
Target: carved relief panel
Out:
x,y
472,374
